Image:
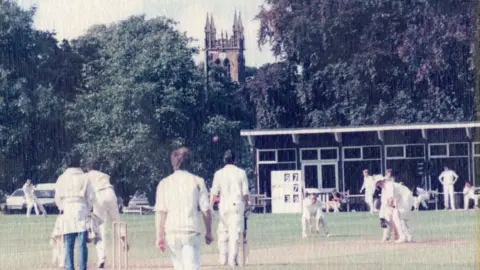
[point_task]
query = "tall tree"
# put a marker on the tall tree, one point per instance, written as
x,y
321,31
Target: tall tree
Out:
x,y
32,135
359,57
143,96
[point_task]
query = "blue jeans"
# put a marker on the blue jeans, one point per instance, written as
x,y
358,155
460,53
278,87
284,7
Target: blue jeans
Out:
x,y
82,252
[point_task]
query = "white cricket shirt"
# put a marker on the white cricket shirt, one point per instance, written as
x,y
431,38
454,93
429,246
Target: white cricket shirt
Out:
x,y
28,192
231,184
369,184
99,180
448,177
399,193
182,196
312,209
469,192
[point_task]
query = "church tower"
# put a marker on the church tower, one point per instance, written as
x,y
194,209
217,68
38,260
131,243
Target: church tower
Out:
x,y
227,51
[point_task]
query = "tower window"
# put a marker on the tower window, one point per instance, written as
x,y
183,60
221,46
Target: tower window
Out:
x,y
226,64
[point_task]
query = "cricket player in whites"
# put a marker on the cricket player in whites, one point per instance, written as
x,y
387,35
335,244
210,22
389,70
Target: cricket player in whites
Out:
x,y
448,178
369,187
422,197
397,202
105,207
31,199
469,194
231,184
313,207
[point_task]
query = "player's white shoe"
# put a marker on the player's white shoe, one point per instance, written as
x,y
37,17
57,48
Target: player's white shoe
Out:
x,y
328,235
304,236
409,238
400,240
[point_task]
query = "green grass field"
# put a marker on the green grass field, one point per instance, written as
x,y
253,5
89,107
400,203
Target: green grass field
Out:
x,y
443,240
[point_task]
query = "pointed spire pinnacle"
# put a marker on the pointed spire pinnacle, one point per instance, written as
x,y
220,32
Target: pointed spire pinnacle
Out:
x,y
235,21
212,23
239,21
207,24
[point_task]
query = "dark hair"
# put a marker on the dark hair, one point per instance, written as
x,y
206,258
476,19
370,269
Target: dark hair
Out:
x,y
181,159
73,159
92,164
229,157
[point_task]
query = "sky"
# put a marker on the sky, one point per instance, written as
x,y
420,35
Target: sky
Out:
x,y
71,18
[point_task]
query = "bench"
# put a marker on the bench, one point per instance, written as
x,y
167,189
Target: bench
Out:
x,y
138,210
258,201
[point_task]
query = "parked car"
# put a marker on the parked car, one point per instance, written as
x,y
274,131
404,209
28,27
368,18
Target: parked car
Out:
x,y
16,202
45,194
138,199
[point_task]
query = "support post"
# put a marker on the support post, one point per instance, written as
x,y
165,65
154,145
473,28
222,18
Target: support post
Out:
x,y
381,139
338,139
471,162
296,141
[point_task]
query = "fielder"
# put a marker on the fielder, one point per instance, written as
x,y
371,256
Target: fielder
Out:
x,y
105,206
231,184
422,197
369,187
313,207
181,200
469,194
397,201
448,178
31,199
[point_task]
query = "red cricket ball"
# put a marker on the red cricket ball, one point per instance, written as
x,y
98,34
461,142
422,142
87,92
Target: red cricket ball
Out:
x,y
215,139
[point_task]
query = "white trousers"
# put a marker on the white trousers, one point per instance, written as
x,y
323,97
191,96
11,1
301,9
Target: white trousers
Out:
x,y
230,228
369,201
34,203
184,250
448,195
467,198
398,216
105,208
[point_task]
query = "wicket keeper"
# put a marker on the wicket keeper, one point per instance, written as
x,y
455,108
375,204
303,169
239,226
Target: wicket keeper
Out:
x,y
313,208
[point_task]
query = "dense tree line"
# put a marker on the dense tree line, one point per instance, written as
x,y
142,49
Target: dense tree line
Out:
x,y
367,62
128,93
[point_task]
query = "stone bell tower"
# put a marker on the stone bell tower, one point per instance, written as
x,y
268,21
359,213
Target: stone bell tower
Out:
x,y
227,51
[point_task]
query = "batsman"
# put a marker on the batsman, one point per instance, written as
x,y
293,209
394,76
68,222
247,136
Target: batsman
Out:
x,y
231,184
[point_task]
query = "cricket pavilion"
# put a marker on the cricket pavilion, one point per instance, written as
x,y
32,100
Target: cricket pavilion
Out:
x,y
334,157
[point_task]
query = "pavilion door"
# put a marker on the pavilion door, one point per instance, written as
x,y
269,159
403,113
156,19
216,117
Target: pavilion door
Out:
x,y
321,175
